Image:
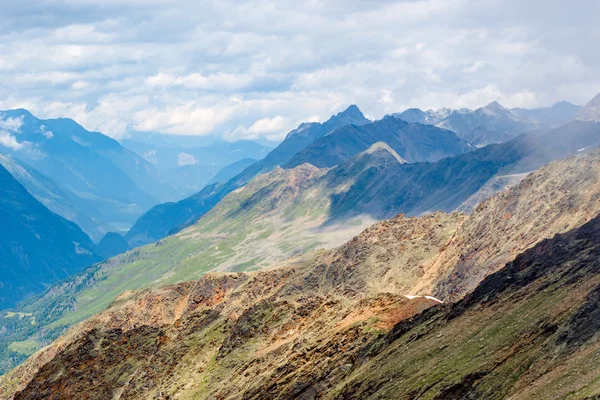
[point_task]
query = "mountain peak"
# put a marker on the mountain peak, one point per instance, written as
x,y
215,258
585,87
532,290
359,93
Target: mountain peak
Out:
x,y
494,105
351,115
352,110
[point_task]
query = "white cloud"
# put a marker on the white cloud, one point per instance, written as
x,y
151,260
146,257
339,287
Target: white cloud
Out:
x,y
8,128
272,128
11,124
186,159
8,140
46,132
250,69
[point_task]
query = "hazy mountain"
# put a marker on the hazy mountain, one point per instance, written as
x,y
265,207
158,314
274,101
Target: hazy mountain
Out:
x,y
169,218
366,319
489,120
57,199
591,111
37,247
412,142
429,117
164,141
189,169
559,113
116,182
231,170
493,123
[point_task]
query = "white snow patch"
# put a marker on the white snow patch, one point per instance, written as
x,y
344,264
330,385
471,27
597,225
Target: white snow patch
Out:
x,y
411,297
434,299
582,149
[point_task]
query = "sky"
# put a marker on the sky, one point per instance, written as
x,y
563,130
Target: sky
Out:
x,y
256,69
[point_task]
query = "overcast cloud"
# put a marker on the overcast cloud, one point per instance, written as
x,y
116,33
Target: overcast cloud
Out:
x,y
256,69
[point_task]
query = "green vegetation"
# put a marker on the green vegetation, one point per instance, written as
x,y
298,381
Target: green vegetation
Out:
x,y
26,347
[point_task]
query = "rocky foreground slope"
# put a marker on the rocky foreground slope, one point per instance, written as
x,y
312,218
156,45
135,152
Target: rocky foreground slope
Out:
x,y
340,323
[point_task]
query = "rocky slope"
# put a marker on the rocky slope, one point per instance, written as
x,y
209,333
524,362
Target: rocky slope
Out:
x,y
165,219
288,212
413,142
527,332
340,323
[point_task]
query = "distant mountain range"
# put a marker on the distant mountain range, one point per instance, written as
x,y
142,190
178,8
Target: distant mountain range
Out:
x,y
231,170
322,145
413,142
288,212
117,184
168,218
37,247
92,180
55,197
493,123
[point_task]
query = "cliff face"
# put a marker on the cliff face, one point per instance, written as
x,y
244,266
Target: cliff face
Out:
x,y
349,322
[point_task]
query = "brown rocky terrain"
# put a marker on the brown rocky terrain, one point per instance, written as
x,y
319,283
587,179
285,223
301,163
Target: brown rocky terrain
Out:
x,y
330,324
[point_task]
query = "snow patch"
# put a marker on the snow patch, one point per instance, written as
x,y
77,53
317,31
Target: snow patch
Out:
x,y
411,297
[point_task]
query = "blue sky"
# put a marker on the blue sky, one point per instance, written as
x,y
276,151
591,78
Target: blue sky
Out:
x,y
256,69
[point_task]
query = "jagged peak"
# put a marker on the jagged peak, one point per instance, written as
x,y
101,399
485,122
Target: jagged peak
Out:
x,y
494,105
350,113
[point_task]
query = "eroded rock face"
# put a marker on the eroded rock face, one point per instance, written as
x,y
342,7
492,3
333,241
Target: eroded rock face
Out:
x,y
526,332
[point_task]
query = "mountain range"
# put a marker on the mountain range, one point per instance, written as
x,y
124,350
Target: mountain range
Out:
x,y
412,142
116,184
322,145
91,179
493,123
493,304
282,260
288,212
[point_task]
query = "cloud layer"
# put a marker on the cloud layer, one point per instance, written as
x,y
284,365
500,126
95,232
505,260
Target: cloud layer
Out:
x,y
255,69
